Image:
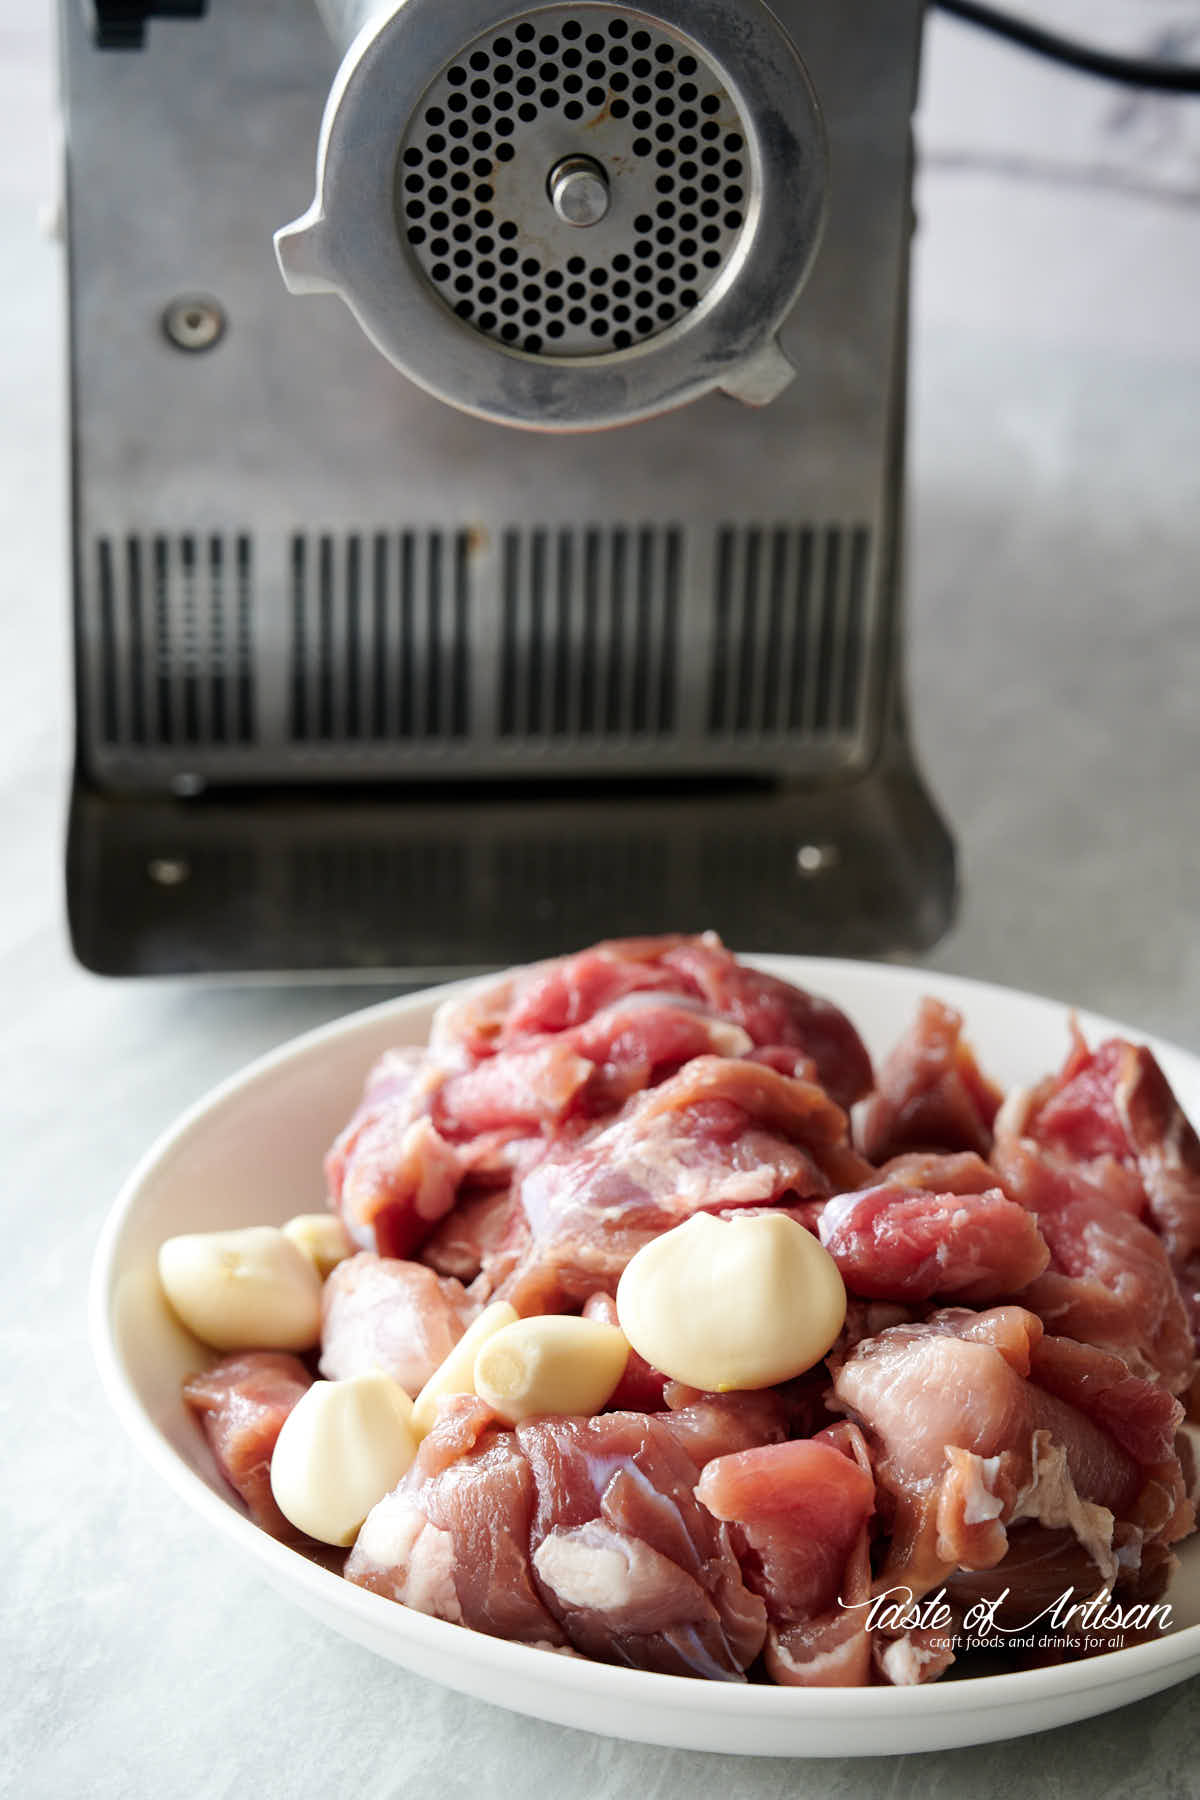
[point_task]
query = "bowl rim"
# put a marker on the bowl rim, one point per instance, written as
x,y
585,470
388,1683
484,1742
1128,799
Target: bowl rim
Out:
x,y
326,1590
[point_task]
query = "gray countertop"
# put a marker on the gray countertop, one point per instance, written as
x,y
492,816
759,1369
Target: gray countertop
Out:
x,y
1055,664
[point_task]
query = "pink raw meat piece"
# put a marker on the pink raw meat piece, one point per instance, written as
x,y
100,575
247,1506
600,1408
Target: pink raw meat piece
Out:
x,y
938,1172
1112,1113
797,1515
930,1093
894,1243
476,1230
433,1122
1141,1416
708,1425
390,1173
452,1539
573,1533
538,1081
721,1133
533,1060
970,1434
242,1403
633,1567
554,995
640,1388
378,1312
561,994
776,1013
1109,1282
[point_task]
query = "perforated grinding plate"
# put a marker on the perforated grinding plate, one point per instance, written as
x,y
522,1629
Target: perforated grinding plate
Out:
x,y
472,195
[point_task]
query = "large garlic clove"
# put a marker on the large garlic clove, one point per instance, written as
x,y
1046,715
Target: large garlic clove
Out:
x,y
323,1239
737,1303
243,1290
553,1364
456,1374
344,1445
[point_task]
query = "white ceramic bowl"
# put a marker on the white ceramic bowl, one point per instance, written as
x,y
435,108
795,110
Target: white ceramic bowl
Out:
x,y
251,1153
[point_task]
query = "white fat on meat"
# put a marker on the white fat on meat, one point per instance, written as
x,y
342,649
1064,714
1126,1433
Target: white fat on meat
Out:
x,y
596,1569
1014,1113
456,1016
1051,1498
981,1502
670,1171
726,1038
1129,1552
906,1661
397,1543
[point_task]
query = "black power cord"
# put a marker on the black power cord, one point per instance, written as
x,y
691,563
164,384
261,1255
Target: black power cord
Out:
x,y
1163,77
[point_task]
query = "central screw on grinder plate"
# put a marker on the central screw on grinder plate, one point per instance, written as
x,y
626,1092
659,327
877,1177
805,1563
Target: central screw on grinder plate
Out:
x,y
578,189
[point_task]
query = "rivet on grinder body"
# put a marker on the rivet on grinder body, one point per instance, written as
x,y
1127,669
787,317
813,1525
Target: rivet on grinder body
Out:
x,y
194,323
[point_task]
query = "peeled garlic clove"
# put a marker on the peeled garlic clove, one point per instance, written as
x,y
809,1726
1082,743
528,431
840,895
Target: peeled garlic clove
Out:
x,y
344,1445
456,1374
323,1239
738,1303
243,1290
555,1364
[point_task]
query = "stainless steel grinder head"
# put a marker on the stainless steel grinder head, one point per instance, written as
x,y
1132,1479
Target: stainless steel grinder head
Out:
x,y
568,217
365,682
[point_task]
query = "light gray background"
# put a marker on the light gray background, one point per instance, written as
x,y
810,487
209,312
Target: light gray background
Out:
x,y
1055,664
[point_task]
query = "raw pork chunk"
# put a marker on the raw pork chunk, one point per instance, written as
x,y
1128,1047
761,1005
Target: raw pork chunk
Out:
x,y
378,1312
978,1423
720,1134
896,1243
580,1534
534,1060
797,1515
242,1403
1110,1113
452,1539
1109,1282
931,1094
632,1566
558,995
